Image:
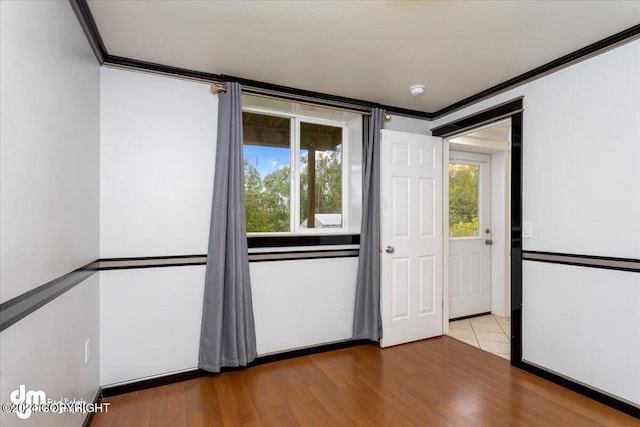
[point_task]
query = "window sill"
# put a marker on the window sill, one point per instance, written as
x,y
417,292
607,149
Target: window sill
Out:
x,y
295,240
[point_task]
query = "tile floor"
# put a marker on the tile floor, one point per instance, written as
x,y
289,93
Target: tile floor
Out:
x,y
490,333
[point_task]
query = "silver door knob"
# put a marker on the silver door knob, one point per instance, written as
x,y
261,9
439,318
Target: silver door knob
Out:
x,y
488,242
389,249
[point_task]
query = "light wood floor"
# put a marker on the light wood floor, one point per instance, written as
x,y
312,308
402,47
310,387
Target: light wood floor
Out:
x,y
436,382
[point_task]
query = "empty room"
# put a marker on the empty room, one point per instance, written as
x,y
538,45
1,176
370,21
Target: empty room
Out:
x,y
328,213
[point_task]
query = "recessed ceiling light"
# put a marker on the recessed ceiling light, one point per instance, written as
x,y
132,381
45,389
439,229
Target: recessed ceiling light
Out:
x,y
416,90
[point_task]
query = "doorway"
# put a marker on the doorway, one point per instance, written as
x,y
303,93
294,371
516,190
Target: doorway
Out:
x,y
478,239
469,234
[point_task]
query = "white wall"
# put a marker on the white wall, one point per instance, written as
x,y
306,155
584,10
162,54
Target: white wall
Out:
x,y
50,142
500,226
149,321
303,303
583,307
407,124
580,179
156,176
581,127
49,189
150,318
156,164
45,351
157,158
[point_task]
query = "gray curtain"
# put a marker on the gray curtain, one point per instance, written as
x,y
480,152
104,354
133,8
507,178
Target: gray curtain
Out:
x,y
227,337
366,322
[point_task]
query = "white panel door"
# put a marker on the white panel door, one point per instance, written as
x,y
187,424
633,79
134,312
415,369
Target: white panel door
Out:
x,y
411,237
469,234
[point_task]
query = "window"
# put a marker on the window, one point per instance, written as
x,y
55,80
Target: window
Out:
x,y
464,182
267,172
320,176
302,168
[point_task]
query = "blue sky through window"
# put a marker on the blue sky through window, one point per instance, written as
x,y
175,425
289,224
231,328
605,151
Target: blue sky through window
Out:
x,y
266,159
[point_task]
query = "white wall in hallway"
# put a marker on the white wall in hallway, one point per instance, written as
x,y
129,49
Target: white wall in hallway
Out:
x,y
501,248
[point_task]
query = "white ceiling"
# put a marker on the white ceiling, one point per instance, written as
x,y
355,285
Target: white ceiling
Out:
x,y
488,139
368,50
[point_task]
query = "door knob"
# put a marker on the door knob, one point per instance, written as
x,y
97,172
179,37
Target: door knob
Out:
x,y
389,249
488,242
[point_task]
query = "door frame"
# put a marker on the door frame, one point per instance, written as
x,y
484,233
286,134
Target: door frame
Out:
x,y
511,109
484,162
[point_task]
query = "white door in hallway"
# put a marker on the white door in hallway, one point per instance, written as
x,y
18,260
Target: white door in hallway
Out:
x,y
469,234
411,237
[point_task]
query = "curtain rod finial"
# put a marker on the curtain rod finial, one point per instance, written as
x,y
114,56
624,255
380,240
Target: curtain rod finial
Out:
x,y
216,88
387,117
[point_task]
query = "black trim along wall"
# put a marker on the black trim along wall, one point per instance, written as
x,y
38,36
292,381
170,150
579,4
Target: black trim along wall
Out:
x,y
190,260
21,306
609,263
83,12
261,249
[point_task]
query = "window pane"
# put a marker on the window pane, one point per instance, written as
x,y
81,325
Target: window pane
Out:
x,y
463,200
320,176
267,172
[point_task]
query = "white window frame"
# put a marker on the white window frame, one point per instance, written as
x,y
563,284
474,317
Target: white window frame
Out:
x,y
483,162
294,159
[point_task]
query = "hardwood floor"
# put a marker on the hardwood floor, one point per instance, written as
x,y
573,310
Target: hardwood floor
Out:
x,y
436,382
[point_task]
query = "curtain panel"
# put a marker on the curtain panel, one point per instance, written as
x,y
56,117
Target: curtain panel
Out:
x,y
367,323
227,337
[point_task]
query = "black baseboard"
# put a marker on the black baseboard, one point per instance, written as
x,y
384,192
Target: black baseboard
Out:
x,y
89,417
309,351
153,382
198,373
589,392
471,316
